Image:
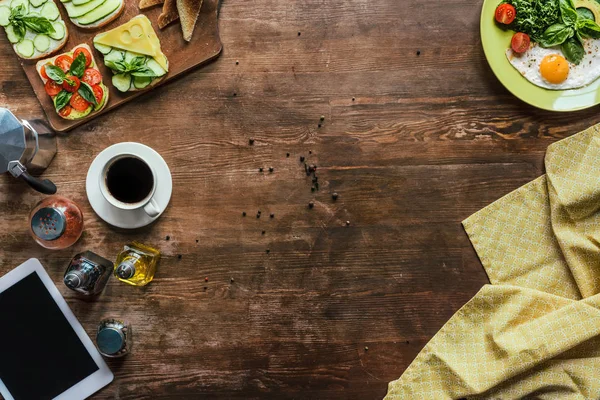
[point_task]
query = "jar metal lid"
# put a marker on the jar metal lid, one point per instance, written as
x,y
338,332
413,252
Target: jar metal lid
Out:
x,y
48,223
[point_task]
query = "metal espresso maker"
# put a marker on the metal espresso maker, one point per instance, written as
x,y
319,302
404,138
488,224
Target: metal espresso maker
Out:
x,y
26,146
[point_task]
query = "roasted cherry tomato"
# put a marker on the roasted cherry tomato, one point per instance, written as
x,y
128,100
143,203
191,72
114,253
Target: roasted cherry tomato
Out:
x,y
520,42
98,93
52,88
71,83
65,111
79,103
43,72
63,62
505,14
91,76
86,53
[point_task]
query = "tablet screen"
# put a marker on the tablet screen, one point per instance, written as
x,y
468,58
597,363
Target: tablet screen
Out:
x,y
41,356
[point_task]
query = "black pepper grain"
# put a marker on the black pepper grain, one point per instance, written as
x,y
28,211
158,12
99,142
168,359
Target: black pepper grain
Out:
x,y
179,256
263,232
271,169
311,204
418,52
251,141
312,189
299,33
237,62
310,152
268,251
334,196
302,158
272,215
260,169
168,237
234,94
319,125
197,241
354,98
322,118
287,154
244,214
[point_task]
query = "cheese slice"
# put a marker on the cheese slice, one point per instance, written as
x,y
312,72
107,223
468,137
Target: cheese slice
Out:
x,y
137,36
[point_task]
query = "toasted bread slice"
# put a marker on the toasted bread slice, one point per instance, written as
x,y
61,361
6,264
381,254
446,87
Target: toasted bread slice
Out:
x,y
59,44
149,3
188,14
169,13
101,22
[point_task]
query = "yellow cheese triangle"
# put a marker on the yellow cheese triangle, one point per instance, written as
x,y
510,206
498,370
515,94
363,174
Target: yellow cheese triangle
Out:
x,y
137,36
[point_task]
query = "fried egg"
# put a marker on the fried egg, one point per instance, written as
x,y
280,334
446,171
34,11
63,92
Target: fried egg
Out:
x,y
548,68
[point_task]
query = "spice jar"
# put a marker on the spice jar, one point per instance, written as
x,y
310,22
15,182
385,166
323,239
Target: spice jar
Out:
x,y
88,273
114,338
56,223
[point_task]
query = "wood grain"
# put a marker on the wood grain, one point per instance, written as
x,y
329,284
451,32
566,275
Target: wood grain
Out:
x,y
183,56
427,141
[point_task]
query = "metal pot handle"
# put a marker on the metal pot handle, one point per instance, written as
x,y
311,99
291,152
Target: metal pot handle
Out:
x,y
19,171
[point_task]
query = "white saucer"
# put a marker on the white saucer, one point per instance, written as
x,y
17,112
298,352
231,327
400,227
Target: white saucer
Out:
x,y
128,219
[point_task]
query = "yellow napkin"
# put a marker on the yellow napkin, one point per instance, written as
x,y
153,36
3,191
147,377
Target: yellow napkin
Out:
x,y
533,333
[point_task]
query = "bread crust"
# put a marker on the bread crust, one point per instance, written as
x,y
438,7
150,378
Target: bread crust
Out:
x,y
188,10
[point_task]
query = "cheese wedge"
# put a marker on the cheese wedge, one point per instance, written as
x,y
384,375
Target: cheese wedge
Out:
x,y
137,36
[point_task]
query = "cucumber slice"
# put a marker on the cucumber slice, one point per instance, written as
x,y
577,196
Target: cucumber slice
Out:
x,y
104,98
41,43
24,3
59,30
12,36
129,55
77,11
107,8
65,1
114,56
80,2
25,48
102,48
155,67
122,82
50,11
141,82
4,15
37,3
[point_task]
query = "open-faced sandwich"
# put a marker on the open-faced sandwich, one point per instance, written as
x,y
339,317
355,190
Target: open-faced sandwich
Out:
x,y
74,83
93,14
132,51
556,44
34,27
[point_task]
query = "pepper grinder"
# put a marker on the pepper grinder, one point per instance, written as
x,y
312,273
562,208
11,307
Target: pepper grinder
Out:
x,y
88,273
56,223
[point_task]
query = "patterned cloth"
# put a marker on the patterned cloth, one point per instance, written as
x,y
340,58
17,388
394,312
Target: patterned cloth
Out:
x,y
534,333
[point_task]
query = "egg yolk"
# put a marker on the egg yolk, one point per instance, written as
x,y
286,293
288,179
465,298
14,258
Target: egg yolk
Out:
x,y
554,68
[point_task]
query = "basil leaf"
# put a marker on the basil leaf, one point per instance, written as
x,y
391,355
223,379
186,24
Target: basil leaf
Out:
x,y
62,99
588,28
144,71
568,13
19,30
55,73
17,12
556,34
117,66
78,65
137,61
87,93
38,24
585,13
573,51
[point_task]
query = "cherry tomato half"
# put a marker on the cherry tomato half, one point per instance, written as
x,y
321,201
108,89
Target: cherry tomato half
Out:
x,y
505,14
520,42
64,62
79,103
91,76
71,83
43,72
65,111
52,88
86,53
98,93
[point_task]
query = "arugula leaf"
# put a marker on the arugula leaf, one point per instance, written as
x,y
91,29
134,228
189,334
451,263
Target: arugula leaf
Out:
x,y
534,16
573,51
87,93
55,73
78,65
568,13
588,28
556,34
62,99
38,24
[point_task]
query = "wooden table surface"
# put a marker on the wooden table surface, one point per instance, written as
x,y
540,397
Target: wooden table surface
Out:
x,y
412,142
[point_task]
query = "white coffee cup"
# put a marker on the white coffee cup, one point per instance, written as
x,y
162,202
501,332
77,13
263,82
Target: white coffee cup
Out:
x,y
148,203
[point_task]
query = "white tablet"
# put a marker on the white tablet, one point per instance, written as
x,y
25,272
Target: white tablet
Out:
x,y
44,351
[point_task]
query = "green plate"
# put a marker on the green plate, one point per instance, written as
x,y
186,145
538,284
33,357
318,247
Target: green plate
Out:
x,y
495,41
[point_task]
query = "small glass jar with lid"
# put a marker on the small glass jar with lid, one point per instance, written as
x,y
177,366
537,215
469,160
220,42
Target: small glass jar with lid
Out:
x,y
114,338
56,223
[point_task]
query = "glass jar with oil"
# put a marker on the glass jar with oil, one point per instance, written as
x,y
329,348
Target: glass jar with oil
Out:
x,y
136,264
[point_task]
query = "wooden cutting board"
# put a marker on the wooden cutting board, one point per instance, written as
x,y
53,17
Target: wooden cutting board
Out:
x,y
183,56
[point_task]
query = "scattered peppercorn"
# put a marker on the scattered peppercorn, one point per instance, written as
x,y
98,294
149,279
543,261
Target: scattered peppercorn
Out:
x,y
168,237
179,256
258,215
237,62
407,342
232,280
272,215
251,141
244,214
287,154
312,189
206,279
299,33
322,118
197,241
302,158
271,169
260,169
268,251
334,196
354,98
205,288
310,152
418,52
263,232
347,223
366,348
319,125
234,94
311,204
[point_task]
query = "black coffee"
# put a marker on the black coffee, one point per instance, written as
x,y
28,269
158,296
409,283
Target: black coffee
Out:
x,y
129,180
